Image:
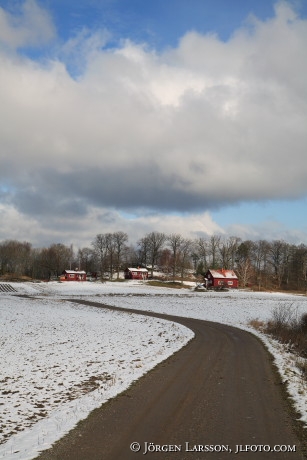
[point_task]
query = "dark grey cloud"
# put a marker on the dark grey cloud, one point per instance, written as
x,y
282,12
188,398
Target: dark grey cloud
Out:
x,y
126,188
43,204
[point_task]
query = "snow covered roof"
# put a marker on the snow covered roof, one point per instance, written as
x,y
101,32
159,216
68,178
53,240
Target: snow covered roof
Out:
x,y
223,274
75,272
143,270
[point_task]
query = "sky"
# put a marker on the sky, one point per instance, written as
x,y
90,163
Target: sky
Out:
x,y
185,116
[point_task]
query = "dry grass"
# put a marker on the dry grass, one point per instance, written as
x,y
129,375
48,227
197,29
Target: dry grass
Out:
x,y
289,328
14,277
169,284
257,324
301,364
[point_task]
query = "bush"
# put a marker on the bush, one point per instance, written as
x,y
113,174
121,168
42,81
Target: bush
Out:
x,y
289,328
304,322
301,364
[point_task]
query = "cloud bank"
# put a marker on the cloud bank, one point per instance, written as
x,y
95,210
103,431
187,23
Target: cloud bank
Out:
x,y
189,129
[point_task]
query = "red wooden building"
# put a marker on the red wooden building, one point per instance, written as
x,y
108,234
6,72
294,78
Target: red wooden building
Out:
x,y
136,274
221,278
73,275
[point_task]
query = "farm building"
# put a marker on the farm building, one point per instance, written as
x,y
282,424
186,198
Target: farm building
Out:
x,y
73,275
136,274
221,278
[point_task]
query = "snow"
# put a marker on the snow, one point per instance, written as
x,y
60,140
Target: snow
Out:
x,y
61,360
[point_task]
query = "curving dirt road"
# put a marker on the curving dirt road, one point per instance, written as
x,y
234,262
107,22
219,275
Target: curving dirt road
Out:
x,y
218,397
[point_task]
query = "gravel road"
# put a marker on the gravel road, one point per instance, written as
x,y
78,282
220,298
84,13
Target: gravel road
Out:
x,y
218,397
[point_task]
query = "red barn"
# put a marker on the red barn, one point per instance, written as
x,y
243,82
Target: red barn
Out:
x,y
73,275
221,278
136,274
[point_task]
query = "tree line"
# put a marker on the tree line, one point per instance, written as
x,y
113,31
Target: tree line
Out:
x,y
262,264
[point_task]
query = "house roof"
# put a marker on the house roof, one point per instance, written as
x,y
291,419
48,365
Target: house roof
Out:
x,y
76,272
223,274
143,270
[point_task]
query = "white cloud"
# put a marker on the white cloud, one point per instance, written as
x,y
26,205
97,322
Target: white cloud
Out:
x,y
202,125
82,231
268,230
32,25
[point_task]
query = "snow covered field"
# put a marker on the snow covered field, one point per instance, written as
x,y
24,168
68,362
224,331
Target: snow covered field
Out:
x,y
61,360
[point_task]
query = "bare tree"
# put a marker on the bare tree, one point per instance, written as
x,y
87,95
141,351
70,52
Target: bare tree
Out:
x,y
119,239
202,250
86,259
175,242
244,268
130,256
100,247
233,244
227,249
143,251
109,248
15,257
224,251
213,250
154,242
184,257
298,267
278,259
260,257
166,261
55,259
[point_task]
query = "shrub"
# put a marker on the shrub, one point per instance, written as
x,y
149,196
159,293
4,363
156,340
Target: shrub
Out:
x,y
301,364
289,328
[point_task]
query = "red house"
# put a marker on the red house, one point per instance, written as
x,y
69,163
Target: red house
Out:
x,y
73,275
136,274
221,278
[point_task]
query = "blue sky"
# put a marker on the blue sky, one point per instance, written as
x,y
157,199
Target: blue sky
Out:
x,y
157,22
140,115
